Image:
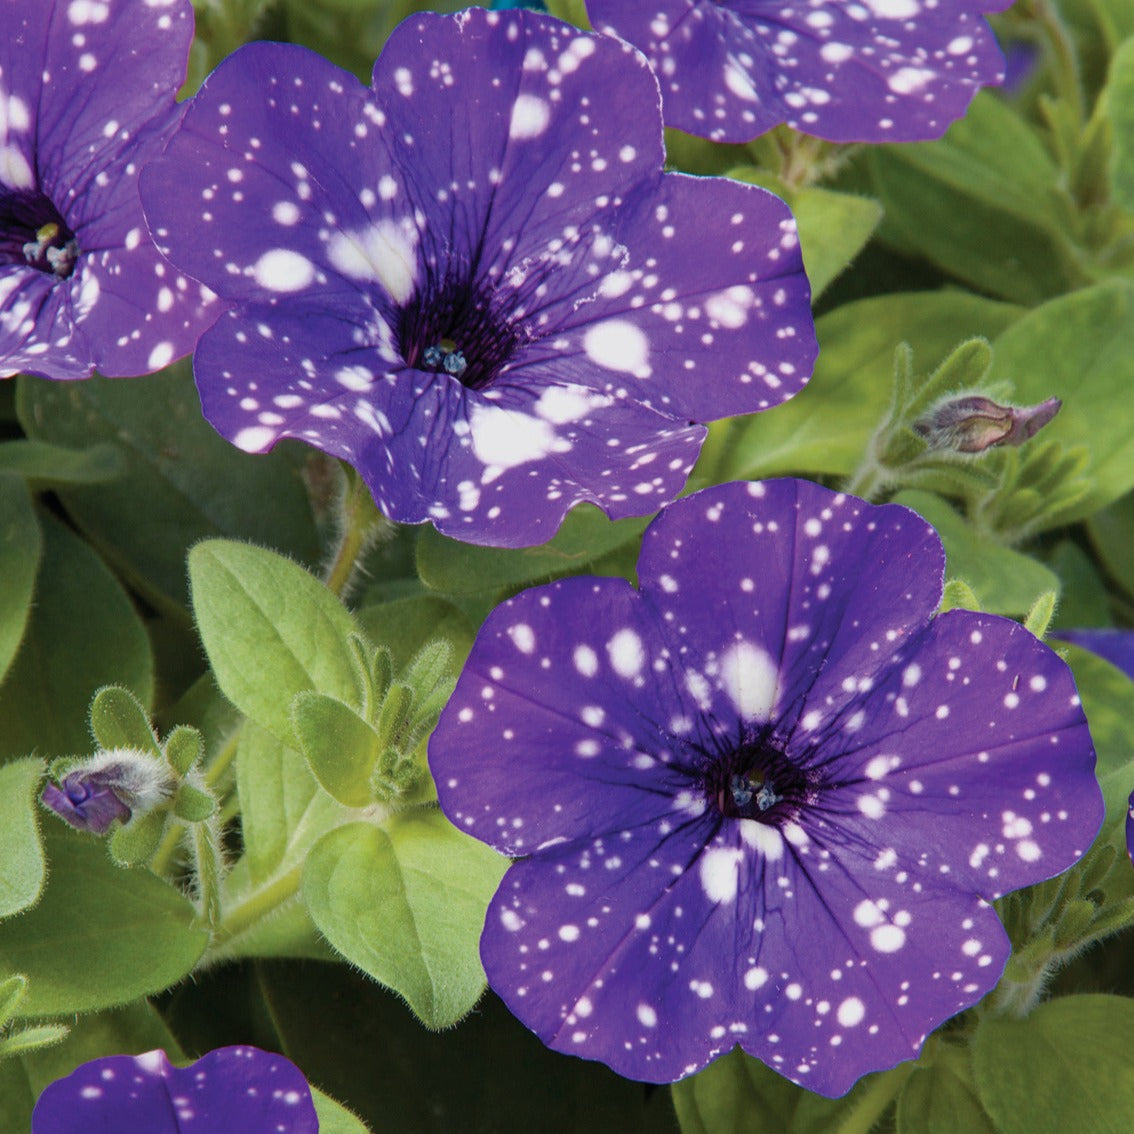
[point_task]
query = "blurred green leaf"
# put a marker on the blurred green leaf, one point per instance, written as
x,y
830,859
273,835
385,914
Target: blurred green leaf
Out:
x,y
404,625
21,545
100,936
1082,593
1064,1067
941,1098
22,868
1112,533
1120,106
83,633
271,631
179,476
53,466
405,903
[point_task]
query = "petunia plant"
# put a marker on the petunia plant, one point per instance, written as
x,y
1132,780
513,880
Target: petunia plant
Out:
x,y
566,568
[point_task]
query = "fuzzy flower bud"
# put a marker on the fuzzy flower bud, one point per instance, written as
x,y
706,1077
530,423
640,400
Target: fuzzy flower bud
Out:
x,y
973,423
111,785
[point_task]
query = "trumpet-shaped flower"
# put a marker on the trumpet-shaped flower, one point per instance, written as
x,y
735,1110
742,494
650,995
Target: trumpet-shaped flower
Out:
x,y
864,71
86,98
472,280
765,798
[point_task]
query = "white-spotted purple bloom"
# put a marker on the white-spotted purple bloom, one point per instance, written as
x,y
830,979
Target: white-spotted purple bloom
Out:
x,y
845,70
86,98
765,798
472,280
230,1090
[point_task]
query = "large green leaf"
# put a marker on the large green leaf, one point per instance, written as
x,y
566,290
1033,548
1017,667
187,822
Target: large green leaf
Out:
x,y
941,1098
1112,533
182,481
404,625
83,633
982,203
826,427
271,630
21,546
1066,1067
21,856
1079,347
405,903
100,936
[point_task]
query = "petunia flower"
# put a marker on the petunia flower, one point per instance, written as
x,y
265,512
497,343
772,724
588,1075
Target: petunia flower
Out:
x,y
845,70
86,98
472,280
112,784
231,1089
765,798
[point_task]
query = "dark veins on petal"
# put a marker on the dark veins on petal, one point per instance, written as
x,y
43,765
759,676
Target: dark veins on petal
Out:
x,y
32,233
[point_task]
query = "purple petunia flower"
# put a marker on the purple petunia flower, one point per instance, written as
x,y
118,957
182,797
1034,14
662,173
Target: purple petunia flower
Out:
x,y
845,70
111,785
231,1089
764,799
86,98
473,281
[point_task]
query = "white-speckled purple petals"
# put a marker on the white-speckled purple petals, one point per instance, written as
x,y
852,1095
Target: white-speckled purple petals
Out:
x,y
473,281
764,799
231,1089
860,71
86,99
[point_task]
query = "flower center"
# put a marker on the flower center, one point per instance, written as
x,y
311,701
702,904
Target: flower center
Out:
x,y
755,780
458,327
32,233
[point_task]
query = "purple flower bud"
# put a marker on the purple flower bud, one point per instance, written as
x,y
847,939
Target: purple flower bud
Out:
x,y
972,424
111,785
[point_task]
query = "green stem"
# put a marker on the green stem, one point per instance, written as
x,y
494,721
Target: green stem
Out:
x,y
257,906
875,1100
221,762
1065,63
360,520
207,872
867,481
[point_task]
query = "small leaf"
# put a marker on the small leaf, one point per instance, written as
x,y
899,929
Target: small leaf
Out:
x,y
406,904
22,869
184,749
118,720
271,631
136,842
340,748
99,936
193,805
32,1039
12,990
1120,107
404,625
1064,1067
334,1118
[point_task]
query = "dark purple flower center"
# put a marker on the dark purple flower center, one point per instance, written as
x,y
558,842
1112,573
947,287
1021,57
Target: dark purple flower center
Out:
x,y
33,233
753,779
459,326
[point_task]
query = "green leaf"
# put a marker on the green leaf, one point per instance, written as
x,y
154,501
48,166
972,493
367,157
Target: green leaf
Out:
x,y
1005,581
137,841
1120,107
1112,533
21,855
1079,347
1065,1067
31,1039
1107,694
334,1118
1082,599
178,485
118,720
193,805
826,428
184,749
83,634
12,991
406,904
982,203
21,546
99,936
457,568
53,466
341,749
271,631
404,625
941,1098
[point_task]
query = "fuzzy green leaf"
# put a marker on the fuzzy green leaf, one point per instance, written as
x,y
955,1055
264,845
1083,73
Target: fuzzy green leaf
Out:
x,y
340,748
21,546
21,855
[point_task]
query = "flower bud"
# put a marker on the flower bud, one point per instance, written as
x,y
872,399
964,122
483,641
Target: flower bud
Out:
x,y
973,423
111,785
